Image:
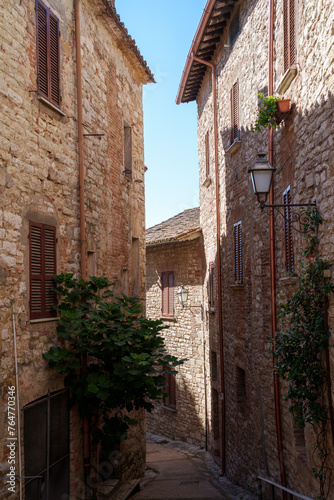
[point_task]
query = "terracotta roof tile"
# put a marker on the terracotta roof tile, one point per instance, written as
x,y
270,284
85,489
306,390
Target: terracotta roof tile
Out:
x,y
175,228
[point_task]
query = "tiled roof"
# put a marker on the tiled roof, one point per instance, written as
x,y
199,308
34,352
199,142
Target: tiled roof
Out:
x,y
110,10
176,228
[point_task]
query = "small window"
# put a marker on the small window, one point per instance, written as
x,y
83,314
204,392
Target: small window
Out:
x,y
288,241
207,154
215,416
289,26
238,275
128,151
211,295
214,368
42,270
167,280
235,132
134,261
48,53
234,28
170,400
241,387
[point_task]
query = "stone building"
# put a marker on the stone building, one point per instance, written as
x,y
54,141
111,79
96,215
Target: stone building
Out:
x,y
72,200
242,48
174,257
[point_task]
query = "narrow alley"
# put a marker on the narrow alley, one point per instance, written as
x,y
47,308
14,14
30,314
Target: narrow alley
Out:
x,y
178,470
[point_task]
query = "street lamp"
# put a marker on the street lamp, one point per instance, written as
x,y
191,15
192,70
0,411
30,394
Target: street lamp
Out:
x,y
262,176
182,295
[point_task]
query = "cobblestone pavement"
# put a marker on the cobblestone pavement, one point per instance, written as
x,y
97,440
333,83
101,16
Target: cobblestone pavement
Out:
x,y
178,470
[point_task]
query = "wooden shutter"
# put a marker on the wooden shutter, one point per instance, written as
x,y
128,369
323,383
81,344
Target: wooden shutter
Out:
x,y
235,112
207,155
42,270
211,290
237,253
48,54
289,26
170,388
288,242
167,294
164,279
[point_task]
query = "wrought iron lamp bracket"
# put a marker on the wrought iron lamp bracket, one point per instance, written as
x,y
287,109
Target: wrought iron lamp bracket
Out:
x,y
300,218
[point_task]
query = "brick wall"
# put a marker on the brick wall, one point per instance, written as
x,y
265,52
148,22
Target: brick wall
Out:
x,y
39,181
183,338
303,155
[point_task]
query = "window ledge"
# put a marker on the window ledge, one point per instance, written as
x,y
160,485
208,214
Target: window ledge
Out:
x,y
286,80
237,286
169,409
289,280
207,182
168,318
50,105
211,311
234,147
44,320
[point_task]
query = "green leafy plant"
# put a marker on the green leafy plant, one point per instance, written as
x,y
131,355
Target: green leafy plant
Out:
x,y
123,353
266,112
301,341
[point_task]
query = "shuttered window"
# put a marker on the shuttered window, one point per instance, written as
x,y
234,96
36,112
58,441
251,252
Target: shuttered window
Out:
x,y
170,400
167,280
288,242
210,287
289,24
48,53
235,132
237,253
207,154
42,270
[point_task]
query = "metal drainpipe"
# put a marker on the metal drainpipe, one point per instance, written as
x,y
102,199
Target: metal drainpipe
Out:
x,y
220,315
272,257
83,266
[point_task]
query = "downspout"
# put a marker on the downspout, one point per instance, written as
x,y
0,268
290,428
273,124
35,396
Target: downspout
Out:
x,y
272,257
85,423
220,315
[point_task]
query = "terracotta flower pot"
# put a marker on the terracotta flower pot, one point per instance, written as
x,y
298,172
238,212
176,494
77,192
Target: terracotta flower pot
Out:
x,y
284,105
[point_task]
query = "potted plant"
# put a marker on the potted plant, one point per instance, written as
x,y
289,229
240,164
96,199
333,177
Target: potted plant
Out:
x,y
271,107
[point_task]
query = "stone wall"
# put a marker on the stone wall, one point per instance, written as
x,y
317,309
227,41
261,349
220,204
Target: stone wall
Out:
x,y
39,182
183,338
304,157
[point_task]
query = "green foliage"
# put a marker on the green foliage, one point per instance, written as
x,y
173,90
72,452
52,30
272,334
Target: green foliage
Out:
x,y
301,341
123,352
266,113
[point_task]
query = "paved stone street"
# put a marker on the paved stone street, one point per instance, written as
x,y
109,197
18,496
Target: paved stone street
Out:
x,y
178,470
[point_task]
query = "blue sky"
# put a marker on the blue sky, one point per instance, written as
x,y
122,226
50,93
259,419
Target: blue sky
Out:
x,y
163,32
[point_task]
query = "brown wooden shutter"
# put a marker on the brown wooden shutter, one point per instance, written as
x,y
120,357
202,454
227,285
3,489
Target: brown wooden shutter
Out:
x,y
237,253
170,388
42,270
288,241
207,154
289,26
164,308
170,294
54,60
211,290
235,112
42,49
48,54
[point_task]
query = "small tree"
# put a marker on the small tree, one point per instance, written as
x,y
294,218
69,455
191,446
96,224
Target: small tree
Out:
x,y
124,353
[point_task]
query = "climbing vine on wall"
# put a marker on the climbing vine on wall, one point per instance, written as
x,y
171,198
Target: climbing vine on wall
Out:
x,y
300,344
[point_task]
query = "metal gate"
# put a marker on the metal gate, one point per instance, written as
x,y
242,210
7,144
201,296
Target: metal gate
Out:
x,y
46,447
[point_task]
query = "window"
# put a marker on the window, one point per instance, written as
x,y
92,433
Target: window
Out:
x,y
235,132
237,253
167,280
46,447
288,243
210,287
134,263
48,54
214,367
234,28
215,416
170,400
42,270
128,151
207,155
289,24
